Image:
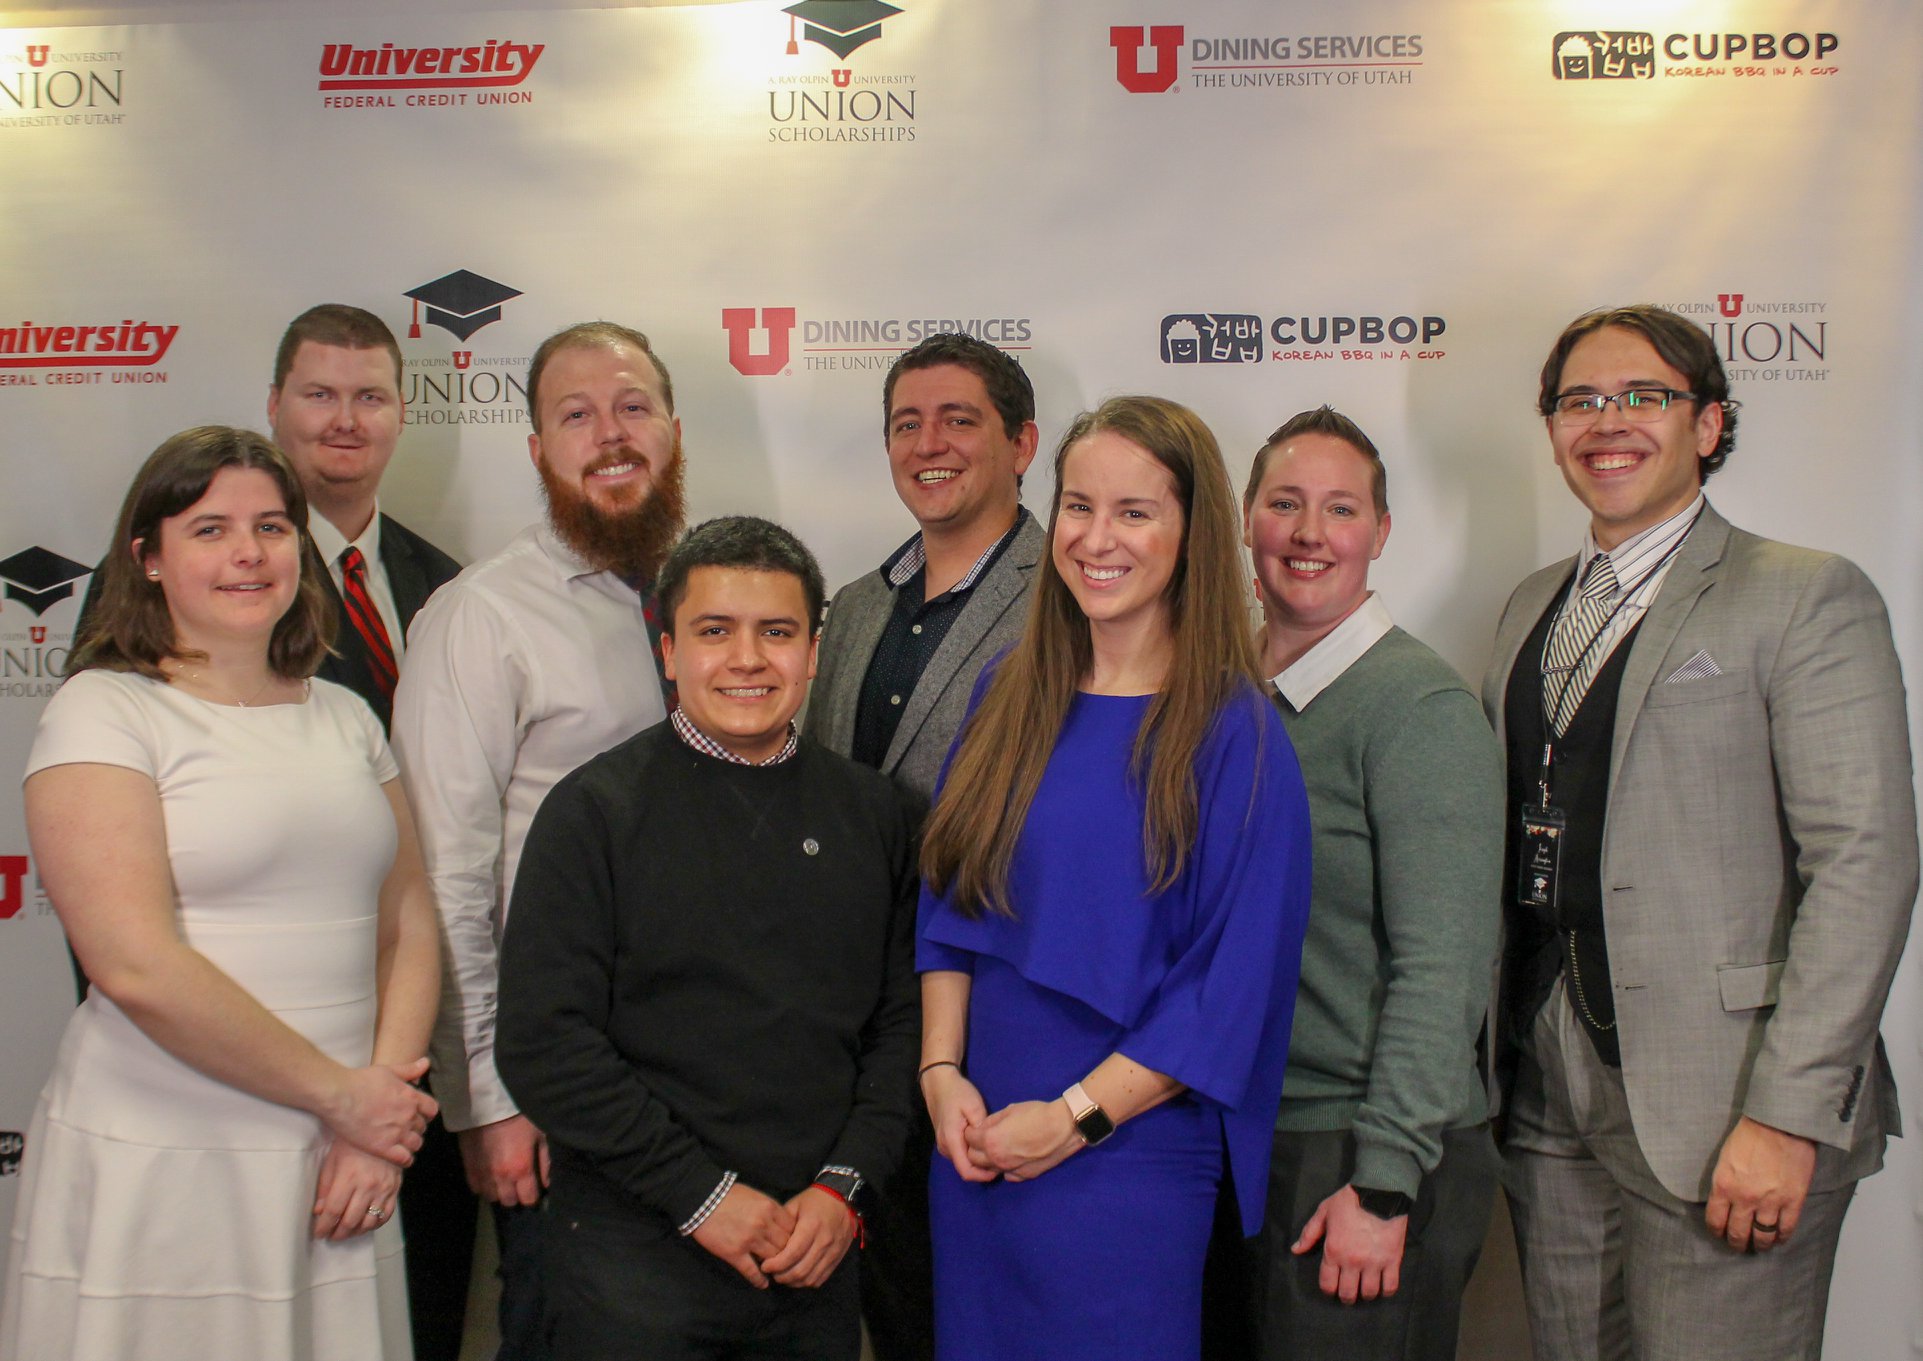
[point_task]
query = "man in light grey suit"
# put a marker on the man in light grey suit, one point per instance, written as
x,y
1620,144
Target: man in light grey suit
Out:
x,y
1712,864
900,654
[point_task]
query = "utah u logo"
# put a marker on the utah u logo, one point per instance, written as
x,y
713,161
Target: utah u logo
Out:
x,y
37,632
1127,42
462,358
13,873
37,54
778,322
1731,303
843,75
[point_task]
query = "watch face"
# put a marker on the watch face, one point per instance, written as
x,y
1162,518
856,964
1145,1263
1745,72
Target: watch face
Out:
x,y
1094,1125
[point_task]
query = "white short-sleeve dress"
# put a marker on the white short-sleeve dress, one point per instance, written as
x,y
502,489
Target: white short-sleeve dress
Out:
x,y
163,1215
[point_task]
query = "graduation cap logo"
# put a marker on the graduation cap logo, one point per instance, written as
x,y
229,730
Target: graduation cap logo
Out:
x,y
39,579
838,25
462,303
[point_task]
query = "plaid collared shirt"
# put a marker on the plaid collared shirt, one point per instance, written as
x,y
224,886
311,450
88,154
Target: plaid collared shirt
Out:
x,y
684,729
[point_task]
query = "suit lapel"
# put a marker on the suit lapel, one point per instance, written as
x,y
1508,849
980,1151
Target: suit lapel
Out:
x,y
863,629
404,575
989,599
1525,608
1693,572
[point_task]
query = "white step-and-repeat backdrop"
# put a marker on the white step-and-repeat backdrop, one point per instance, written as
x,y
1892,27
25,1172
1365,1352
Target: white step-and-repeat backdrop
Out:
x,y
1250,207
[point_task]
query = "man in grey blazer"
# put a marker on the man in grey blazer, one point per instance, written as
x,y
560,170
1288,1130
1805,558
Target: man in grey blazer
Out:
x,y
900,654
1712,863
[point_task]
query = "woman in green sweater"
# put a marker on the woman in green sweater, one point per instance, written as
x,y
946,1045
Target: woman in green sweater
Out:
x,y
1383,1173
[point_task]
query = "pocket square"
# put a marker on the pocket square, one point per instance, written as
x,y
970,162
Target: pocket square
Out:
x,y
1699,667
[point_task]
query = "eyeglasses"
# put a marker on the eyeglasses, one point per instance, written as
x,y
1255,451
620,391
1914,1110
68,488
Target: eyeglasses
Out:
x,y
1637,404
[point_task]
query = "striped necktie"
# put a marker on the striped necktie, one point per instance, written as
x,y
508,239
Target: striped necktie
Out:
x,y
367,621
1575,639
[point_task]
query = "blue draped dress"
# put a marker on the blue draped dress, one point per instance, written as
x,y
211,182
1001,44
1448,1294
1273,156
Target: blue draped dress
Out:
x,y
1101,1257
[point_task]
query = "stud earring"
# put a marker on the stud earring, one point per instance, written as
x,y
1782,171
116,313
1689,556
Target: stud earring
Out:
x,y
153,574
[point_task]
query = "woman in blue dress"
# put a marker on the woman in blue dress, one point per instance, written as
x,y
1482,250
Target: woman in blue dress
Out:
x,y
1117,880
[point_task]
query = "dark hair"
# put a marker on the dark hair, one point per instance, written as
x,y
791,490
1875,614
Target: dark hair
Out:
x,y
744,541
998,761
1681,344
131,628
584,335
335,323
1323,420
1006,381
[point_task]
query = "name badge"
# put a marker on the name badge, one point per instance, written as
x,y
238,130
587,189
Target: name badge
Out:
x,y
1539,857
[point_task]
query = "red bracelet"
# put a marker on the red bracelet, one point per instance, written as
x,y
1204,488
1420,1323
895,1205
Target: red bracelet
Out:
x,y
861,1225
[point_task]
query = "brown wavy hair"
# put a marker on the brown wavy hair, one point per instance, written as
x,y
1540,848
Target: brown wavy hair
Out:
x,y
131,628
1004,749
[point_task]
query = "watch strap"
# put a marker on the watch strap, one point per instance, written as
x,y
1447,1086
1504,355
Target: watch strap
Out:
x,y
1092,1123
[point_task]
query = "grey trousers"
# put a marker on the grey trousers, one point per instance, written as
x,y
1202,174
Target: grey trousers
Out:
x,y
1614,1267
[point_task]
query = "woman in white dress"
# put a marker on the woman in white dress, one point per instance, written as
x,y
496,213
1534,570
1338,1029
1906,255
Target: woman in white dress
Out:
x,y
212,1169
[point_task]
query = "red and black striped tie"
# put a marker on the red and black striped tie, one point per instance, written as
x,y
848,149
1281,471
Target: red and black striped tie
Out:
x,y
367,621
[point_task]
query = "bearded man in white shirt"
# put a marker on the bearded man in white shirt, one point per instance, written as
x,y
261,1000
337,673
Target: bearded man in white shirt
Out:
x,y
524,667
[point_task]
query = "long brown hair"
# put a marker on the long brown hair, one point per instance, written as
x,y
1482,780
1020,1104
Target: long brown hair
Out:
x,y
992,779
131,629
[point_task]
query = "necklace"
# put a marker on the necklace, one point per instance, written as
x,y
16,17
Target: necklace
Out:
x,y
200,679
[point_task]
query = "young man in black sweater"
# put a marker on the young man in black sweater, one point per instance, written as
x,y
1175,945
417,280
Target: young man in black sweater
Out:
x,y
708,998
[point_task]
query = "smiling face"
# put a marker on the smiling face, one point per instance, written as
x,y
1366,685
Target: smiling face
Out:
x,y
337,417
605,429
1631,475
1313,529
955,466
741,656
1118,534
229,564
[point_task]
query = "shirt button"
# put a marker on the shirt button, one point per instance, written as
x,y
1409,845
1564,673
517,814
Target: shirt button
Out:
x,y
915,629
894,699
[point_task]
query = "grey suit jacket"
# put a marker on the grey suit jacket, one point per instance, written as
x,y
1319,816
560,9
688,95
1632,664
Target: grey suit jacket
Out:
x,y
989,622
1759,858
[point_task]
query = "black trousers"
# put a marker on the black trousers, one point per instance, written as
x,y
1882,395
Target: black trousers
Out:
x,y
624,1286
439,1216
898,1265
1266,1302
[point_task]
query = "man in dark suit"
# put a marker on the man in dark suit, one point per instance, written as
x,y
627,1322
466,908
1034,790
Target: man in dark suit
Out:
x,y
900,654
335,410
1713,862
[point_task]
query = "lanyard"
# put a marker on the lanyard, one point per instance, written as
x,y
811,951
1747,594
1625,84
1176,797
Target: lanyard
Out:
x,y
1575,667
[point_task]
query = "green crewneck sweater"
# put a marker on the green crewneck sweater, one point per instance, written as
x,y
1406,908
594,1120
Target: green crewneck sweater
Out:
x,y
1406,796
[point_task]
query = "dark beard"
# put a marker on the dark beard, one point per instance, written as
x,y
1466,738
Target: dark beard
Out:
x,y
631,541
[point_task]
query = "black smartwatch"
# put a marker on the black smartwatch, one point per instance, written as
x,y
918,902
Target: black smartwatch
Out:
x,y
1091,1121
1384,1204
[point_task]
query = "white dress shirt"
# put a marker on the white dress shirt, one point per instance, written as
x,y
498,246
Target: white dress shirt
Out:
x,y
331,544
1341,648
523,667
1641,564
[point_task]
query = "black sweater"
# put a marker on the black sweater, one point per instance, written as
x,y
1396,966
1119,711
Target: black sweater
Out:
x,y
687,988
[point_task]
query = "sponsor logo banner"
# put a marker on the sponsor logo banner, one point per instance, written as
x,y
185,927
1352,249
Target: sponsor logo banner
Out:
x,y
841,104
392,75
1152,59
46,86
1247,338
34,647
63,354
13,885
1764,339
462,388
1630,54
12,1145
765,341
